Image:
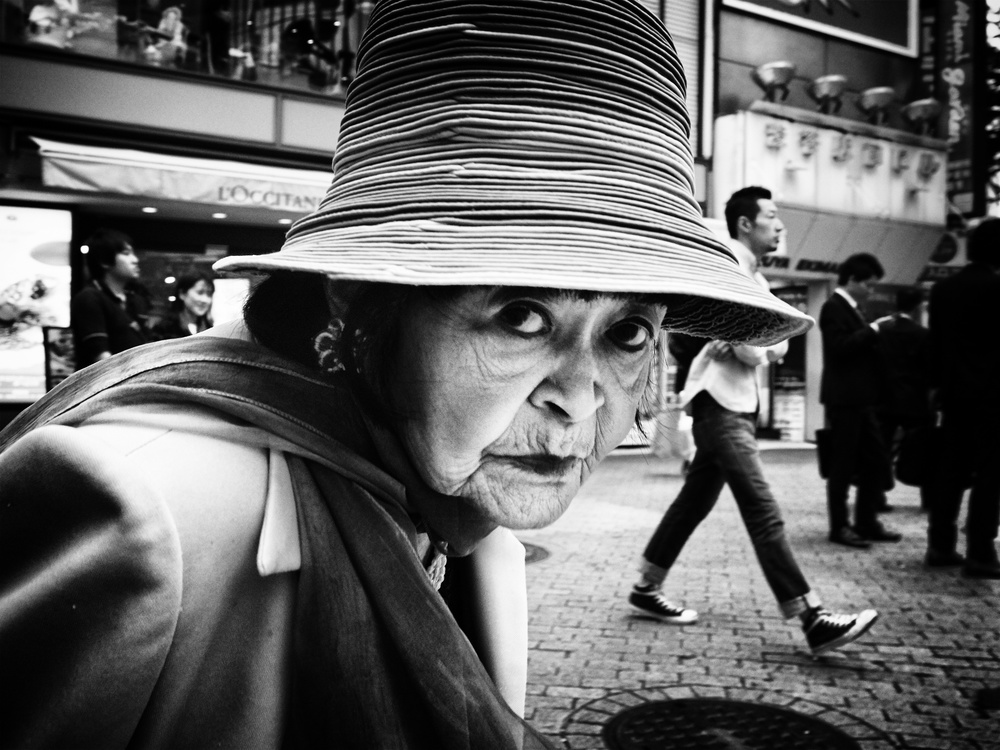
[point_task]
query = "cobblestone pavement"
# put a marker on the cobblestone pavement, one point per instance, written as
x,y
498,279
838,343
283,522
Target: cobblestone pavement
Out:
x,y
908,683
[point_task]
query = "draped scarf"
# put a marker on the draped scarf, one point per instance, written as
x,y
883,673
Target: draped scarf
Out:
x,y
378,659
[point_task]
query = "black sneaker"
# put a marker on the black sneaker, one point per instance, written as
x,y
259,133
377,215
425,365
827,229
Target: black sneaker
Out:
x,y
654,603
826,631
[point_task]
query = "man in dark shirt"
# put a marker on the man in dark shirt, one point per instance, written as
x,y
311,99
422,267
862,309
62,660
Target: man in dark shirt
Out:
x,y
965,362
107,316
905,344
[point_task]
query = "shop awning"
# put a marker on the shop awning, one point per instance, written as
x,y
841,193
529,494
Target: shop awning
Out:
x,y
181,178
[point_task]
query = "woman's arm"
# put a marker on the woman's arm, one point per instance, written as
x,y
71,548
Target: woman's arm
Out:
x,y
500,603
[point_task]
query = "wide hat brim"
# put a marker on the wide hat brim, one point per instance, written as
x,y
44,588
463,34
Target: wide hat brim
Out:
x,y
526,143
706,294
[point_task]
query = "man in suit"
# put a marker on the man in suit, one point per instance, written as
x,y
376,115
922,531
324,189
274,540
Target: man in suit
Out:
x,y
965,366
905,344
853,384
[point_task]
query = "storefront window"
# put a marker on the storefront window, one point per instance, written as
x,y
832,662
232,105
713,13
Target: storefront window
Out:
x,y
300,45
34,295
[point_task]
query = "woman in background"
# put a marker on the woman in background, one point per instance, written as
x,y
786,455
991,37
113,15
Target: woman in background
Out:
x,y
190,308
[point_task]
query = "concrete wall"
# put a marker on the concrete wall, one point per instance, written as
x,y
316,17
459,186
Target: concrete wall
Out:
x,y
76,89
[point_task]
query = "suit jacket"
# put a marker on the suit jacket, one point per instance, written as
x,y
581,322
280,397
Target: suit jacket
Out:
x,y
854,372
965,338
906,346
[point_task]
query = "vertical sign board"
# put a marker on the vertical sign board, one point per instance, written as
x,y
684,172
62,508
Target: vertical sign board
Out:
x,y
928,51
961,49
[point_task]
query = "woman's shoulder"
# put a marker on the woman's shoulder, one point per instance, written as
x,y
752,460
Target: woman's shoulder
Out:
x,y
61,489
205,465
140,473
84,542
102,528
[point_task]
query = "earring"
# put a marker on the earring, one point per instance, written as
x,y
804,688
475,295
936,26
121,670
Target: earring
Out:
x,y
327,347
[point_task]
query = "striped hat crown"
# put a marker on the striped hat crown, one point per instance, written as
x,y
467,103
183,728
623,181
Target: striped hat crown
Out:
x,y
525,143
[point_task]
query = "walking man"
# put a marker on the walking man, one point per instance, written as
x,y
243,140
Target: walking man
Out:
x,y
721,394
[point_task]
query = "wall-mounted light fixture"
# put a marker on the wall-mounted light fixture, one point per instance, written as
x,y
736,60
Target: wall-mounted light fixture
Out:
x,y
874,103
774,77
922,115
826,92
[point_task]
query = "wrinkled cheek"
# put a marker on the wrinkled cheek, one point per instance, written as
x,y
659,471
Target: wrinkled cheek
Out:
x,y
615,421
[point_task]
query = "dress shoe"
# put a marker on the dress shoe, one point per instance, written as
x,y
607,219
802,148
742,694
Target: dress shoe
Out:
x,y
847,537
988,699
939,559
988,569
879,533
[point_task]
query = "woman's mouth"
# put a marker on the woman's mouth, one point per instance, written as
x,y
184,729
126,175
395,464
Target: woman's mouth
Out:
x,y
545,464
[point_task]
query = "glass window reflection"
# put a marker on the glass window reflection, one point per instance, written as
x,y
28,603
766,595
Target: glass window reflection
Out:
x,y
306,46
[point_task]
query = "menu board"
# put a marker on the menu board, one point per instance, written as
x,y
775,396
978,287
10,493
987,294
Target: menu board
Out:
x,y
34,293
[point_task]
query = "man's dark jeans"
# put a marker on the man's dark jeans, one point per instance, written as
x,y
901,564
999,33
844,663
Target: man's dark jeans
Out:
x,y
727,453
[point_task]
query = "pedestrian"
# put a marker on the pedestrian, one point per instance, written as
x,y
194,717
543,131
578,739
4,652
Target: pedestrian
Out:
x,y
237,539
964,316
110,314
853,385
906,347
721,393
190,307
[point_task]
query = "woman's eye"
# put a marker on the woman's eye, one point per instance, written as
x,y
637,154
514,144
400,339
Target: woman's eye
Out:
x,y
524,319
631,335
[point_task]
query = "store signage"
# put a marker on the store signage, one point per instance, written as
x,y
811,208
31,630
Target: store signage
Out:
x,y
886,24
774,261
827,168
811,265
957,50
841,186
267,196
160,176
158,182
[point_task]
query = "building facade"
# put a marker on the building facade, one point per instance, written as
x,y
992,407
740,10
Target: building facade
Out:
x,y
205,127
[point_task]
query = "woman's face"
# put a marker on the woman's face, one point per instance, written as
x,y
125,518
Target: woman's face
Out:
x,y
515,395
198,299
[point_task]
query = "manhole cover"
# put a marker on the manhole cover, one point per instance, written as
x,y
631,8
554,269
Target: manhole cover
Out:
x,y
719,724
533,553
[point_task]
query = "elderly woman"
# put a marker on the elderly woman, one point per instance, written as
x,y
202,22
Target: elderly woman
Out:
x,y
237,539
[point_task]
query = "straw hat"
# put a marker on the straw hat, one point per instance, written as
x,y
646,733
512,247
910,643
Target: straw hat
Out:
x,y
532,143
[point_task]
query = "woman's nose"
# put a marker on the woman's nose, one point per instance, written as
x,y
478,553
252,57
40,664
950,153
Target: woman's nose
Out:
x,y
572,390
